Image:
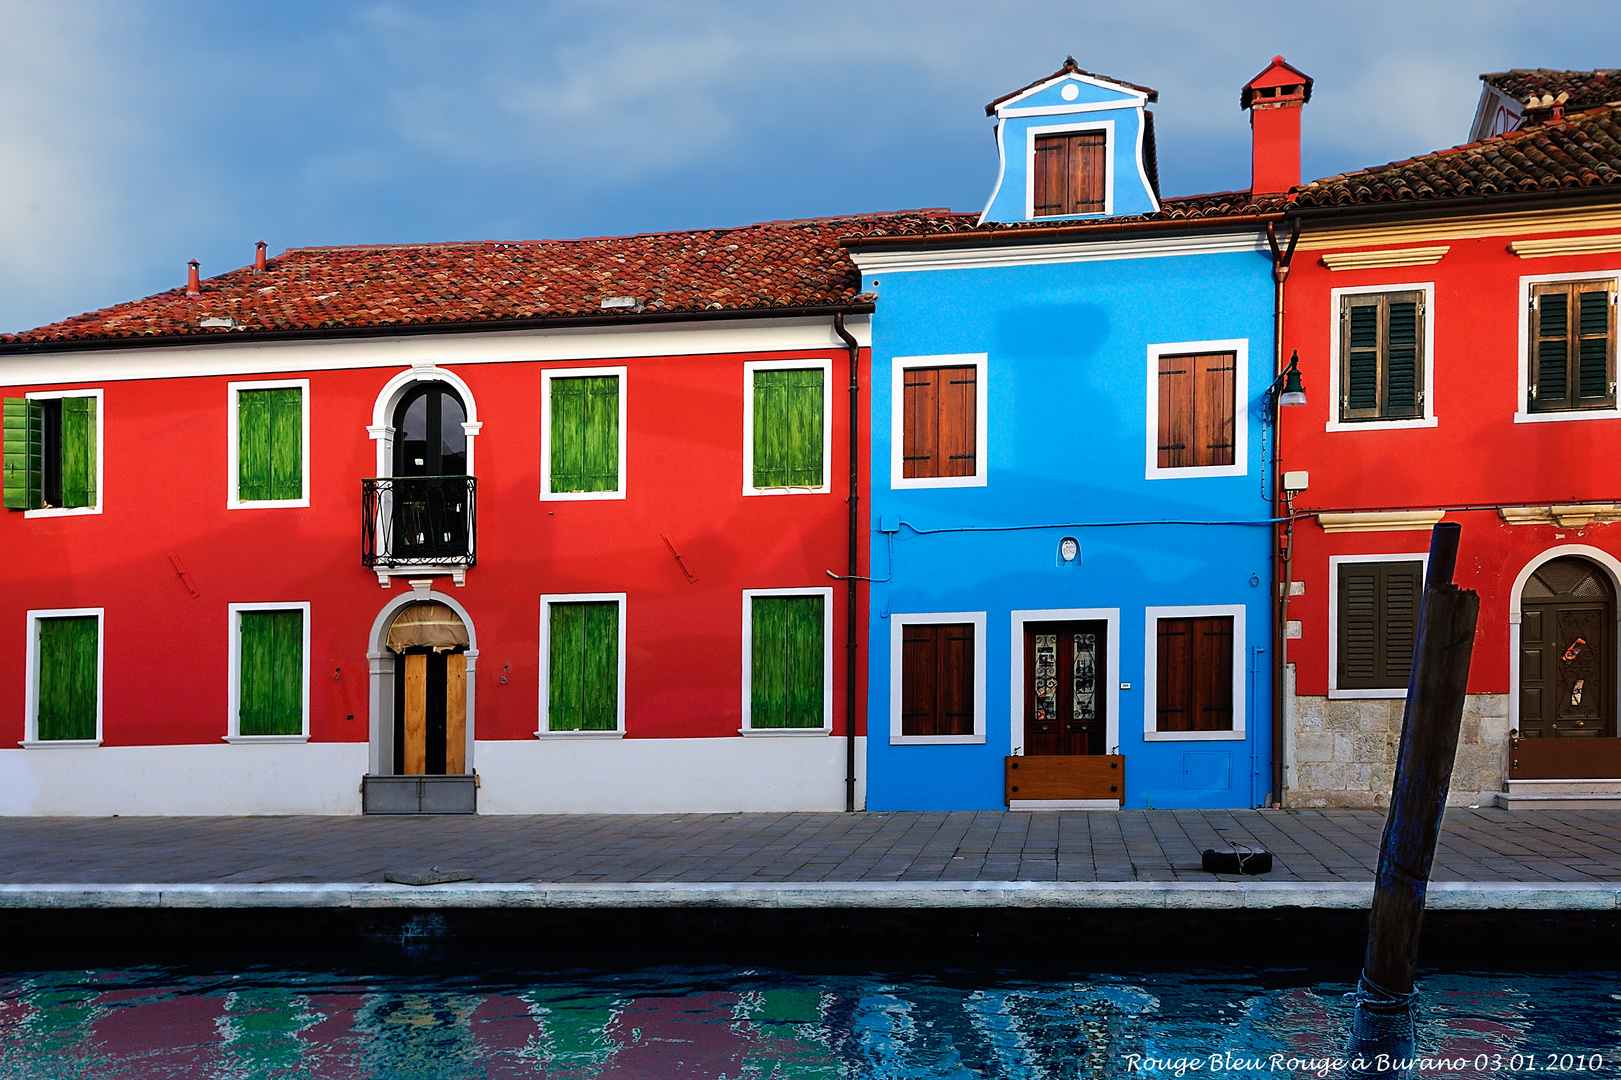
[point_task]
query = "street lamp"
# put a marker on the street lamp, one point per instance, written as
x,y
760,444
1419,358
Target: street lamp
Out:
x,y
1288,382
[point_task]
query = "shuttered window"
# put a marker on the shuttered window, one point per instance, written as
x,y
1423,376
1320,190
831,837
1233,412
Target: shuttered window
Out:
x,y
1196,410
937,679
270,444
1382,356
270,698
939,421
585,433
583,684
1572,357
787,667
68,650
788,428
50,452
1070,176
1378,623
1194,677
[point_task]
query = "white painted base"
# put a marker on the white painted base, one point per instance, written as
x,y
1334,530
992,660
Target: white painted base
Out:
x,y
1064,804
133,781
666,776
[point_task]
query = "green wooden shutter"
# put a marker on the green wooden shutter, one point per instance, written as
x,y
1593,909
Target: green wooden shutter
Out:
x,y
67,677
585,433
1378,623
788,428
1402,389
78,451
1593,346
1550,390
583,685
23,454
271,698
286,442
788,663
254,425
1361,394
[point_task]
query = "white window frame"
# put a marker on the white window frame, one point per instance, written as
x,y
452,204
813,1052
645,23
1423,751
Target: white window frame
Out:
x,y
233,487
1334,564
544,730
897,420
1336,360
825,366
748,727
1523,413
1151,618
1110,672
898,621
233,718
1240,348
1072,128
546,377
101,457
31,739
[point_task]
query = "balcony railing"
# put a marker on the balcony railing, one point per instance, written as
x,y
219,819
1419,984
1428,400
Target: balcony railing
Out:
x,y
418,521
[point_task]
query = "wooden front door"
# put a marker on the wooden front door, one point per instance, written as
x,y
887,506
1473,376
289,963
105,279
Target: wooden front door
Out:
x,y
1567,652
430,713
1064,699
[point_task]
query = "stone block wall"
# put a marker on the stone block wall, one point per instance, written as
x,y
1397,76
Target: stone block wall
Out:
x,y
1342,753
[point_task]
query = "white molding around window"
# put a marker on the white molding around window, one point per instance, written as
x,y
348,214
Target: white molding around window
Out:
x,y
544,731
381,428
1240,347
233,718
1522,409
898,621
101,457
1110,673
1073,128
1335,360
31,739
546,377
748,727
1334,564
897,420
1151,618
825,366
233,444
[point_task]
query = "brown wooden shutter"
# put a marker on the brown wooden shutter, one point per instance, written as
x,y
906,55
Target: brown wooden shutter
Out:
x,y
1051,167
1173,689
939,416
920,421
1086,172
958,403
1197,410
1176,398
1193,686
1070,174
937,679
1378,623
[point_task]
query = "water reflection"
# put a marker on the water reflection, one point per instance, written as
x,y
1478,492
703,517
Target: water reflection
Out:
x,y
680,1023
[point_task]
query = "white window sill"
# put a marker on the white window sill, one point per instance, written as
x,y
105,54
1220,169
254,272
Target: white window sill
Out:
x,y
580,496
823,490
61,511
937,740
1380,425
579,735
1564,414
1193,736
266,504
1354,695
904,483
784,732
1195,472
58,744
249,740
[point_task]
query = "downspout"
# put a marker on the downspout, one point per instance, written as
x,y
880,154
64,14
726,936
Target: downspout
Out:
x,y
852,566
1286,532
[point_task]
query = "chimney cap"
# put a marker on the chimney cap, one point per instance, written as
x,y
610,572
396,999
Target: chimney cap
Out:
x,y
1279,79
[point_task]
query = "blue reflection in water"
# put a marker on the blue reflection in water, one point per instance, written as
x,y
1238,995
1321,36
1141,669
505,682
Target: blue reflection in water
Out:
x,y
708,1024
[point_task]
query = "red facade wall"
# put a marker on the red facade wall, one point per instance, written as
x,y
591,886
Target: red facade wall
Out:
x,y
165,662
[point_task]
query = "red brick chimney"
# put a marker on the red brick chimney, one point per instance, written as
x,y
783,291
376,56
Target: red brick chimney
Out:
x,y
193,284
259,257
1274,98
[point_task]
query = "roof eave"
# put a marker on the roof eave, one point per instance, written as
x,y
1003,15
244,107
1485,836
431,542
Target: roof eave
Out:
x,y
1063,232
1443,207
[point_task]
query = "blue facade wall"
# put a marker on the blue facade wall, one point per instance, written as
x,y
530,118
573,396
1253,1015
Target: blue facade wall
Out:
x,y
1067,363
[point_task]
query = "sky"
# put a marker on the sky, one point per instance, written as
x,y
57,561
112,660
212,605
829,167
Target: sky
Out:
x,y
137,134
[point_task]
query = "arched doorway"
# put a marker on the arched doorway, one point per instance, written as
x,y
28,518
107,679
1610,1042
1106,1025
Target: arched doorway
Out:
x,y
1567,651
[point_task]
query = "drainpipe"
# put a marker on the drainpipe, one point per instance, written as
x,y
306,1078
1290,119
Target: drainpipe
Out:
x,y
852,568
1281,255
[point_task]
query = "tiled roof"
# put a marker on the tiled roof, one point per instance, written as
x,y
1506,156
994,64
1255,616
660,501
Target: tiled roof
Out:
x,y
1069,68
1586,88
775,265
1201,208
1580,151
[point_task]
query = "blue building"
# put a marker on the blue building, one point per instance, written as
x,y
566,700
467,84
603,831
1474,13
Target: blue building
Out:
x,y
1071,496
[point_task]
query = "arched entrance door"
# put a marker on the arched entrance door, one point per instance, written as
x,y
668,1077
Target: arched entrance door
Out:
x,y
430,691
1567,652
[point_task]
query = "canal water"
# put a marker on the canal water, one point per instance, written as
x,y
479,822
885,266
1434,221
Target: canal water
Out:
x,y
698,1023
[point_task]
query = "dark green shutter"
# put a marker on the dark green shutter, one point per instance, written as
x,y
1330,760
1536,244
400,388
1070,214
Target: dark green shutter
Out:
x,y
788,428
78,451
270,444
585,433
583,685
1593,349
1378,623
67,677
272,688
1382,356
1362,364
788,665
23,454
1401,368
1553,348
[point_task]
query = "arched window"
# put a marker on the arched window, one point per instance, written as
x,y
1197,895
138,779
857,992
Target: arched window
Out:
x,y
429,437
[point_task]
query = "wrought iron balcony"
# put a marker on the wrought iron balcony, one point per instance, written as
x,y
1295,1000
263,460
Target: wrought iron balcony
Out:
x,y
418,521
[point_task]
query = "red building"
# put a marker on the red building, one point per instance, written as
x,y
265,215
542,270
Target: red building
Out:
x,y
1455,321
604,485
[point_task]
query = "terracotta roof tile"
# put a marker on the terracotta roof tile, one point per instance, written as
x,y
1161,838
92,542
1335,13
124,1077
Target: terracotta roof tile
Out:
x,y
1586,88
1204,208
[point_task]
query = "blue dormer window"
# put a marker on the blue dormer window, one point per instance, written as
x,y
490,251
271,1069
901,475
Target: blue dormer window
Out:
x,y
1071,173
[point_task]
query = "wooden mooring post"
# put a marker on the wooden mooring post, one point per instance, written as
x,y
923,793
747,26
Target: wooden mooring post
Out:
x,y
1381,1042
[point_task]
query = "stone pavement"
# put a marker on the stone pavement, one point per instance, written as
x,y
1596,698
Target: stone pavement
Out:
x,y
1488,846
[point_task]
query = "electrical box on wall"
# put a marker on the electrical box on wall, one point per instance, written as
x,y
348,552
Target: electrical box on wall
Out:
x,y
1295,481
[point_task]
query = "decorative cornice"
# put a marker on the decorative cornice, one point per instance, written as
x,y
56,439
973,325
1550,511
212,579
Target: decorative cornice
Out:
x,y
1381,521
1565,516
1321,237
1369,260
1565,245
890,260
